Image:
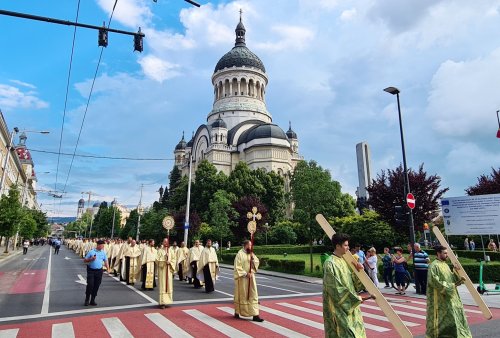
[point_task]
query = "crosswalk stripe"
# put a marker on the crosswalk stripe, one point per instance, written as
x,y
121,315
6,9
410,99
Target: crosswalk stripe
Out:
x,y
371,315
294,318
115,328
63,330
312,302
167,326
11,333
320,313
270,326
416,308
216,324
424,303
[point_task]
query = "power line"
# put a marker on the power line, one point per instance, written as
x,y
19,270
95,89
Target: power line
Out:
x,y
88,102
101,156
67,92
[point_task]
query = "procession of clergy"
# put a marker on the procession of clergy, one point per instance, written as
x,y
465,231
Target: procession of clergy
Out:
x,y
198,265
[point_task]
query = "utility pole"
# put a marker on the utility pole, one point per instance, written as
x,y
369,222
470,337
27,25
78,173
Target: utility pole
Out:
x,y
90,193
114,213
186,223
139,208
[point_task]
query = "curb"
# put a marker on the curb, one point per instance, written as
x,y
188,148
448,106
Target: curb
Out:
x,y
296,278
6,257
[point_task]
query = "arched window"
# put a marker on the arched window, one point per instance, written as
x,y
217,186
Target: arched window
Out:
x,y
244,86
227,90
235,86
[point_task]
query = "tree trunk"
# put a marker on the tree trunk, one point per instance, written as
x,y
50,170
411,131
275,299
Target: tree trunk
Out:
x,y
311,250
6,245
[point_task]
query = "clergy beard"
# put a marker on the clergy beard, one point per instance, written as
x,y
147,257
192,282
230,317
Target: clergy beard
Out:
x,y
248,251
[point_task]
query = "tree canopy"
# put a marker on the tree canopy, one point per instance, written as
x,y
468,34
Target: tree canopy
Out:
x,y
486,184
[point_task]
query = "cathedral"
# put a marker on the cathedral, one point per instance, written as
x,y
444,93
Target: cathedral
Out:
x,y
239,127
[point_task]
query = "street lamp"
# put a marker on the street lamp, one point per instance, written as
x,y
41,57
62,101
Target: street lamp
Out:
x,y
395,91
113,204
498,119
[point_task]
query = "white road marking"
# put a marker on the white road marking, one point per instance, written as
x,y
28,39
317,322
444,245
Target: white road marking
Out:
x,y
224,293
374,308
230,274
11,333
46,294
81,280
115,328
131,287
294,318
167,326
416,308
216,324
424,303
320,313
63,330
270,326
274,287
67,258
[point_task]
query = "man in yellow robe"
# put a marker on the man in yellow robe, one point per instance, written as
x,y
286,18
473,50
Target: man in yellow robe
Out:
x,y
341,302
132,266
246,298
115,249
165,262
208,267
148,259
194,257
119,266
445,311
183,261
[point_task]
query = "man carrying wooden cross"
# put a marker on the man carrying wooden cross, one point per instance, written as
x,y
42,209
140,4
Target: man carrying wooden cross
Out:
x,y
341,302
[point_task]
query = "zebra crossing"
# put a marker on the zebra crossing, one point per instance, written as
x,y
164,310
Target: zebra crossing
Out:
x,y
292,317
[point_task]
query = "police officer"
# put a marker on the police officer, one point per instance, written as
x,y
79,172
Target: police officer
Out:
x,y
95,258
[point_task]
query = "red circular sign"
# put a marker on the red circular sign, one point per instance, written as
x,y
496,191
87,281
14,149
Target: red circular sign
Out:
x,y
410,200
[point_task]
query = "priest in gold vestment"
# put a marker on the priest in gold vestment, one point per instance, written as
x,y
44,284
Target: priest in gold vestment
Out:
x,y
148,259
166,261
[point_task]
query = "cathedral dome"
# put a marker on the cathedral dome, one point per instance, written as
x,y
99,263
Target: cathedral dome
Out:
x,y
290,133
182,144
219,123
240,55
267,130
96,205
81,202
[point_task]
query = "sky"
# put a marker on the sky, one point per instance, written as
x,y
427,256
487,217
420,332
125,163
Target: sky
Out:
x,y
328,62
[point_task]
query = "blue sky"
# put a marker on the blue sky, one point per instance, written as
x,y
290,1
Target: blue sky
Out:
x,y
327,61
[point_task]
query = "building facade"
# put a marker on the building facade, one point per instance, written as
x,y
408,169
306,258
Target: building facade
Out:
x,y
239,127
19,169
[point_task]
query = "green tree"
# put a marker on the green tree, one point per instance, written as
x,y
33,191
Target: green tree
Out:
x,y
315,192
11,214
178,197
274,195
221,215
242,182
174,177
130,227
207,182
242,206
368,229
27,225
42,226
151,225
103,221
282,233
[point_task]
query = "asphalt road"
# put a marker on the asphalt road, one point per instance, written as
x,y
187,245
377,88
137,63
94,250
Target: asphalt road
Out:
x,y
31,290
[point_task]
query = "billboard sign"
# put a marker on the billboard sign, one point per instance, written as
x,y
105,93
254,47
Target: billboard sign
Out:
x,y
471,215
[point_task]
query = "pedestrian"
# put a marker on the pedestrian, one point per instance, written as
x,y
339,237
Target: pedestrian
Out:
x,y
57,246
132,264
95,258
183,261
26,245
472,245
388,268
360,253
445,311
341,302
246,297
165,261
216,246
208,267
228,245
371,267
148,259
492,245
194,257
421,262
399,270
466,244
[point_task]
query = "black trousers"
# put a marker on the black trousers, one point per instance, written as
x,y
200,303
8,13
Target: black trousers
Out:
x,y
181,276
127,269
94,278
194,267
421,281
25,251
209,283
144,270
388,278
56,249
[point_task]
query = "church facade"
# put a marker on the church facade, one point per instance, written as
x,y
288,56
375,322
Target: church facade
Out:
x,y
239,127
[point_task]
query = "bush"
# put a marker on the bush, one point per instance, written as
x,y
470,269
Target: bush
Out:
x,y
287,266
228,258
282,233
491,272
281,249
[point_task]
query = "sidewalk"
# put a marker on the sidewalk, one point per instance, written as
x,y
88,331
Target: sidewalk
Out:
x,y
5,257
492,300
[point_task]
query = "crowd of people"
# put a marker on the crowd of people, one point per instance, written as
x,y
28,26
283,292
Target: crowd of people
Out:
x,y
156,267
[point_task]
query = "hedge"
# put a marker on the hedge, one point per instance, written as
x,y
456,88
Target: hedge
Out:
x,y
286,265
281,249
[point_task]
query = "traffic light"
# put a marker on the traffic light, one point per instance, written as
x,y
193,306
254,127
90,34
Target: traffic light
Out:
x,y
103,36
400,215
138,44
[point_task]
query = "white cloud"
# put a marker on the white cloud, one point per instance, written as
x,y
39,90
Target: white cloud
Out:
x,y
289,37
13,97
158,69
131,13
464,96
348,14
470,160
24,84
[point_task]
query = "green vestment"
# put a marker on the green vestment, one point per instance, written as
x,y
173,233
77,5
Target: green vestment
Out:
x,y
445,311
341,311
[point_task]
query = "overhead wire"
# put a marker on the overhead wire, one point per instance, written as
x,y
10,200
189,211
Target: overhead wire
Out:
x,y
102,156
88,101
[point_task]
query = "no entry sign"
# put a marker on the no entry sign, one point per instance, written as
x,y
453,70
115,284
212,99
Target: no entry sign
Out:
x,y
410,200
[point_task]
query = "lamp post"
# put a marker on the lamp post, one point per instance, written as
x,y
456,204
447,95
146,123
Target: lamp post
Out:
x,y
114,213
188,202
395,91
498,119
139,211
